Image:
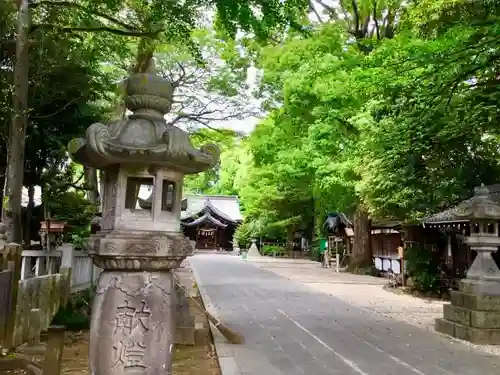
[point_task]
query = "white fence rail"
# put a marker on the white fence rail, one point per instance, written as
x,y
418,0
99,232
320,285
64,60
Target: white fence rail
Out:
x,y
39,263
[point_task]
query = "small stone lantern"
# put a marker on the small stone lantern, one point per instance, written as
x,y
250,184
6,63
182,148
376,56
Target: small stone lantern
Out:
x,y
144,160
253,251
474,312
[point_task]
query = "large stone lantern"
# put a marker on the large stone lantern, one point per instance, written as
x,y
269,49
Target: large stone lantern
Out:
x,y
144,159
474,312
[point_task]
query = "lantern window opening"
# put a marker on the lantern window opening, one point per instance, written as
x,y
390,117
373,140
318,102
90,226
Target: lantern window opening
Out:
x,y
490,228
473,229
139,193
168,195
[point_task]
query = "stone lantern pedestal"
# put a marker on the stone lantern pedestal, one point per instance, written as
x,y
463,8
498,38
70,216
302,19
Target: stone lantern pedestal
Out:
x,y
474,312
140,242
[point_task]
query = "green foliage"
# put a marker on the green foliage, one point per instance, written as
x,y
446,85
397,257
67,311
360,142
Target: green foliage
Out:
x,y
423,268
213,181
272,250
73,208
402,125
244,234
76,314
67,202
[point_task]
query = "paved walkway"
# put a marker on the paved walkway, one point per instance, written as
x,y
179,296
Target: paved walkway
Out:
x,y
364,292
292,329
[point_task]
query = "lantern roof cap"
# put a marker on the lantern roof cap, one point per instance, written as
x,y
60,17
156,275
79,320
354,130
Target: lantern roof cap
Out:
x,y
144,138
481,207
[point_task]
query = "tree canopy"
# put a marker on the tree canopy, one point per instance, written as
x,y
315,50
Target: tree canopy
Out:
x,y
401,124
383,110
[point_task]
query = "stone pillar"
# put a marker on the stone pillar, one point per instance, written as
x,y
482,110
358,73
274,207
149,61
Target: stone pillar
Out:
x,y
139,242
132,327
474,312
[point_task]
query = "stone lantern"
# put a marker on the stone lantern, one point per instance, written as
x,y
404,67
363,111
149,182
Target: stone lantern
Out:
x,y
253,251
143,159
474,312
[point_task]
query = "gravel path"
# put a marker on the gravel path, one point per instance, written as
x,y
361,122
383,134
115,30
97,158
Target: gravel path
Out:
x,y
365,292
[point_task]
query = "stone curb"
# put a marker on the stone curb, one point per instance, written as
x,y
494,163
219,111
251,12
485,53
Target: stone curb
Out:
x,y
225,356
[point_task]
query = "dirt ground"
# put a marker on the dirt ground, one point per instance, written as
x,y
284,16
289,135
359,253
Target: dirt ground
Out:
x,y
188,360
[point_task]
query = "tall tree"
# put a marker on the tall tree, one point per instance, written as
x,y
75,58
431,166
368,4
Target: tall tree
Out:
x,y
11,207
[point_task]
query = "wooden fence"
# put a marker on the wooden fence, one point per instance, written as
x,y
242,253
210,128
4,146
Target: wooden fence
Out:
x,y
33,284
36,263
285,251
10,274
19,312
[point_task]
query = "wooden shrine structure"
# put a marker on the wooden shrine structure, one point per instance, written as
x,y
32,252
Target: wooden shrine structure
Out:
x,y
211,220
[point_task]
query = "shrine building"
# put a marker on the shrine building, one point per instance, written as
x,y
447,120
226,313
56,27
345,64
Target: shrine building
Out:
x,y
211,220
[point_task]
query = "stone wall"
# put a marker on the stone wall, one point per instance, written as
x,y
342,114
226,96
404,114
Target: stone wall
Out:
x,y
38,300
191,324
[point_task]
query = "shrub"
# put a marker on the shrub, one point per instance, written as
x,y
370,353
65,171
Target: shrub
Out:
x,y
423,268
272,250
76,314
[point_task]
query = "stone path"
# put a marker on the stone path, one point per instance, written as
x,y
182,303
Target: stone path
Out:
x,y
365,292
293,329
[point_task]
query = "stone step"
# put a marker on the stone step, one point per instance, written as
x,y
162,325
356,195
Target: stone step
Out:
x,y
475,301
472,318
470,334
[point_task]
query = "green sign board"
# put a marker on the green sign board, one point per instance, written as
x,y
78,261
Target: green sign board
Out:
x,y
323,245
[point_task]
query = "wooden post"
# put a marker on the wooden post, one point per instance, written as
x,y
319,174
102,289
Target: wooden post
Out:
x,y
35,325
67,262
54,351
23,268
15,253
38,266
401,253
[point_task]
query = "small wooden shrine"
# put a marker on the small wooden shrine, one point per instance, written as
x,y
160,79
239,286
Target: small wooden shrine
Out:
x,y
51,233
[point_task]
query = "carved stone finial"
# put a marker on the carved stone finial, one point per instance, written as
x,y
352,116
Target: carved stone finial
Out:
x,y
144,138
148,91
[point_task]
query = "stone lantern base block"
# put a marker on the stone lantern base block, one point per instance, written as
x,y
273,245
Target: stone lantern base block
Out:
x,y
132,327
471,316
480,287
470,334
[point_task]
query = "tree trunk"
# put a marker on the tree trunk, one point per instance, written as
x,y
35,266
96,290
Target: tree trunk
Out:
x,y
11,207
362,246
29,216
3,170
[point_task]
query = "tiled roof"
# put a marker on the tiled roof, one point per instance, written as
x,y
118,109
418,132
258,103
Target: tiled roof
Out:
x,y
227,206
448,216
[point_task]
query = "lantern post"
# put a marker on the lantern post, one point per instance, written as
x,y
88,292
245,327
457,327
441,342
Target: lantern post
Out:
x,y
474,312
143,160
